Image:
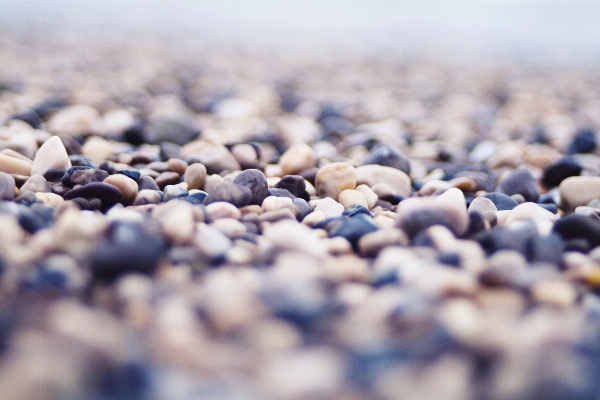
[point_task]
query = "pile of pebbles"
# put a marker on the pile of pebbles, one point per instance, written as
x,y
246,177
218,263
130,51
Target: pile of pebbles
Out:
x,y
180,223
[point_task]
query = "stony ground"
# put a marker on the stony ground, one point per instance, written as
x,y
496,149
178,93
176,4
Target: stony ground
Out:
x,y
184,223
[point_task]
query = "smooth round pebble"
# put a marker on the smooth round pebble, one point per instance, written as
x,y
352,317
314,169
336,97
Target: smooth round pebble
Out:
x,y
297,158
394,178
127,186
333,178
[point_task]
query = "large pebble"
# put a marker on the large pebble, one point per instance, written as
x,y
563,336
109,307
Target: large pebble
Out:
x,y
394,178
388,156
295,184
297,158
175,130
195,175
222,209
578,191
482,204
108,194
36,183
13,165
52,154
520,181
560,170
127,186
229,192
83,175
335,177
256,181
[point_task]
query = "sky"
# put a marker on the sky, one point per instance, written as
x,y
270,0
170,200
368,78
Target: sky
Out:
x,y
559,29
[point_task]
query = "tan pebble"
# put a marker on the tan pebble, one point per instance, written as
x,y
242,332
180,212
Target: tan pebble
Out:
x,y
373,174
529,211
578,191
338,246
297,158
350,197
433,186
127,186
49,198
333,178
556,293
384,221
12,165
346,268
272,170
383,190
230,227
221,209
245,155
177,165
177,220
541,155
370,196
372,243
482,204
272,203
314,218
195,176
147,196
12,153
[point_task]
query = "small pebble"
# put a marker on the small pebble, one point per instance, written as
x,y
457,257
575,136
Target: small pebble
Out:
x,y
333,178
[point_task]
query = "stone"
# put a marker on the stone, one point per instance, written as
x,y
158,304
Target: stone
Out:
x,y
172,192
557,293
36,183
247,155
333,178
146,196
275,192
127,186
147,183
482,204
211,242
350,197
578,191
352,229
584,141
330,207
394,178
388,156
290,235
519,181
54,175
12,153
50,199
216,160
7,186
222,209
277,215
126,248
135,175
303,208
170,150
74,120
167,178
177,165
229,192
82,176
52,154
370,196
232,228
273,203
179,131
577,226
501,201
256,181
108,194
295,184
12,165
559,170
314,218
370,244
177,220
297,158
356,209
529,211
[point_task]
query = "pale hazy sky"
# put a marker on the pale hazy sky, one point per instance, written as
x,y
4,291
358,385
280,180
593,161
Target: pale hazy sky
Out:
x,y
564,28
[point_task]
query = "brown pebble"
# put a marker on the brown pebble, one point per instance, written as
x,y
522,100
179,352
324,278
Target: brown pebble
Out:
x,y
7,186
195,176
167,178
127,186
147,196
177,165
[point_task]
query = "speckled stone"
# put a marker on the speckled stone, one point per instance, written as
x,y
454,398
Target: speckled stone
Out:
x,y
256,181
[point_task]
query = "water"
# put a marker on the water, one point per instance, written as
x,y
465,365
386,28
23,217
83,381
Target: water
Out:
x,y
544,30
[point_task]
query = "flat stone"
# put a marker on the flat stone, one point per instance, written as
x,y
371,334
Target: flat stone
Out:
x,y
12,165
127,186
147,196
256,181
529,211
83,175
173,192
333,178
36,183
216,160
229,192
297,158
52,154
501,201
482,204
107,193
7,186
520,181
372,243
394,178
350,197
388,156
167,178
578,191
178,131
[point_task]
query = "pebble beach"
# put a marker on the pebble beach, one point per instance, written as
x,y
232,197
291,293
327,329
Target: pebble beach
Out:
x,y
179,222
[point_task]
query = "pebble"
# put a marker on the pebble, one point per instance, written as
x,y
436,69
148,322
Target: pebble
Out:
x,y
296,159
229,192
519,181
52,154
394,178
501,201
222,209
256,181
273,203
12,165
556,293
147,196
333,178
7,186
108,194
167,178
578,191
386,155
147,183
351,197
330,207
295,184
36,183
195,175
173,192
177,220
82,176
127,186
560,170
370,244
177,165
352,229
481,205
178,131
529,211
584,141
216,160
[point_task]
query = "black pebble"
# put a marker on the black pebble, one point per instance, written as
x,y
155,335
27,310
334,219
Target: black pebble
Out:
x,y
130,173
126,248
356,209
352,229
83,176
295,184
584,141
501,201
386,155
109,195
577,226
520,181
78,160
559,170
303,207
256,181
54,174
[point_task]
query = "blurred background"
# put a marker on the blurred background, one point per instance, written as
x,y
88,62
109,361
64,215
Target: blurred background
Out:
x,y
561,31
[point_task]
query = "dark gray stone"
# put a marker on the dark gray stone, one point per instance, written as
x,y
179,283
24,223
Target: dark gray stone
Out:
x,y
520,181
294,184
386,155
256,181
83,176
229,192
501,201
109,195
